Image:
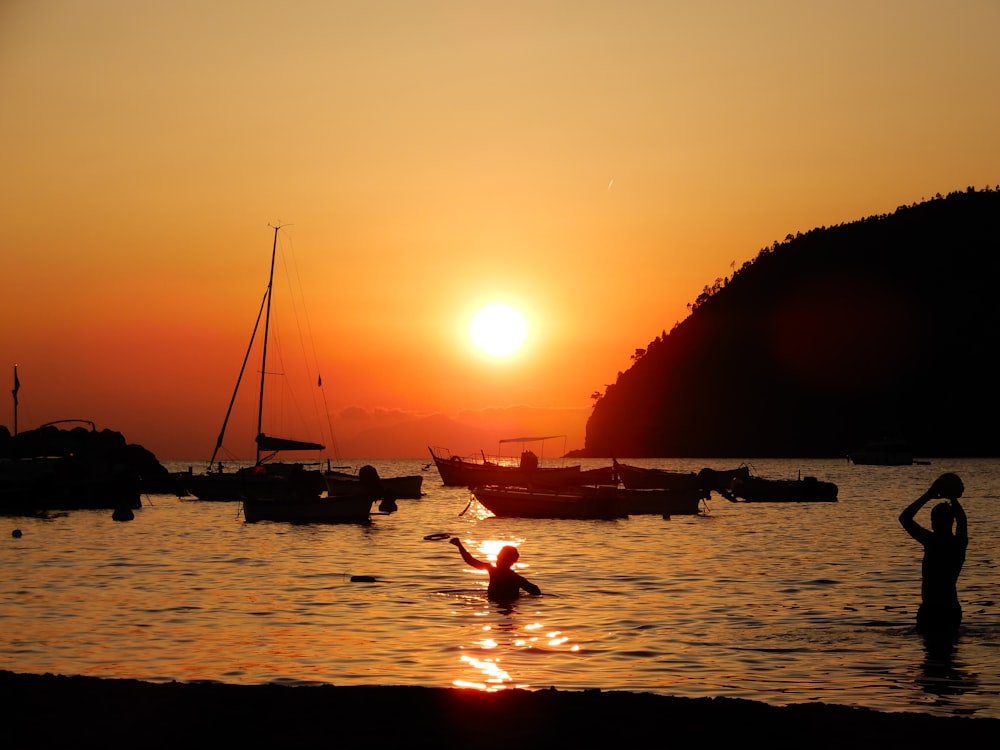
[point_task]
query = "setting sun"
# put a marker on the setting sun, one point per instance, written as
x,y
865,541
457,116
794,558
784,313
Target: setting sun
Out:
x,y
498,330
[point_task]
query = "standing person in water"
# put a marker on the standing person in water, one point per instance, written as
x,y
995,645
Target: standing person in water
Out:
x,y
505,584
944,554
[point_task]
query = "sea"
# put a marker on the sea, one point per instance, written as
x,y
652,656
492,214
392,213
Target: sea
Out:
x,y
784,603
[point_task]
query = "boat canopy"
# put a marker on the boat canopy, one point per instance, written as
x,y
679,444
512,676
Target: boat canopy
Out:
x,y
269,443
530,439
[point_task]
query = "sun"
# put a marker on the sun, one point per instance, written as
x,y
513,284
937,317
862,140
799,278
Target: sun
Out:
x,y
498,330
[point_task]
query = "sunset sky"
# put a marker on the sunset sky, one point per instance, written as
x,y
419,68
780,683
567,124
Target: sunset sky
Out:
x,y
592,164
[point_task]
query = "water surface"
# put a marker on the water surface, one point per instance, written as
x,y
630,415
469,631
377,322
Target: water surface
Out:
x,y
782,603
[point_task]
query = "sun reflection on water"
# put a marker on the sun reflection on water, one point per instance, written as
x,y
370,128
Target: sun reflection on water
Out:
x,y
500,649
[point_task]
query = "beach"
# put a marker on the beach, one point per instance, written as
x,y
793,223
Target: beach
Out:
x,y
63,711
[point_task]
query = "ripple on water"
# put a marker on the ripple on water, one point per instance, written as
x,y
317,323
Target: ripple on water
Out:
x,y
777,603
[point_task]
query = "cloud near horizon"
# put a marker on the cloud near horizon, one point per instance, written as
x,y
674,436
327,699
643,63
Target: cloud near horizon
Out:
x,y
396,433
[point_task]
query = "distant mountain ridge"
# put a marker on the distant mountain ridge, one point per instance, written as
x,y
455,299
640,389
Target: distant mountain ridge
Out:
x,y
883,327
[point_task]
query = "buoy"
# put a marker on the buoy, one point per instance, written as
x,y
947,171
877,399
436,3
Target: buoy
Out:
x,y
123,513
16,533
436,537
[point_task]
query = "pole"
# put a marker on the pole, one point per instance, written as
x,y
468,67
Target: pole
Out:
x,y
17,387
263,356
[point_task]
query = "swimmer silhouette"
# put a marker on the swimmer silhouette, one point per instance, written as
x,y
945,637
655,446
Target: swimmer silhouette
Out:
x,y
505,584
944,554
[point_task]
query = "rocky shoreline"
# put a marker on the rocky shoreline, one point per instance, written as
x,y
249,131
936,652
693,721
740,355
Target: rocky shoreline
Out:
x,y
62,711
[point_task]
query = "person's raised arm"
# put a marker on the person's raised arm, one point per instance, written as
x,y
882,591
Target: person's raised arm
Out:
x,y
469,559
906,518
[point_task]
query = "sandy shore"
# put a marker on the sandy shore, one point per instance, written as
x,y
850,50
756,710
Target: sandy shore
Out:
x,y
56,711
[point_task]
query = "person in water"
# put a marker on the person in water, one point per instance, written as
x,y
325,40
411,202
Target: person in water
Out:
x,y
944,554
505,584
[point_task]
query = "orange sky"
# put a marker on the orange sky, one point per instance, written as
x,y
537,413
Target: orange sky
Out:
x,y
595,164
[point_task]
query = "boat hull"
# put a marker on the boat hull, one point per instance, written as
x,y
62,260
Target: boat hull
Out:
x,y
407,487
510,502
643,478
456,471
218,486
762,490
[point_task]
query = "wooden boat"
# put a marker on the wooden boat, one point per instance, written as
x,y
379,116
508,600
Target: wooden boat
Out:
x,y
754,489
578,503
639,477
401,487
606,501
459,471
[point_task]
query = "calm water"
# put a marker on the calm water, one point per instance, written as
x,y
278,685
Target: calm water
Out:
x,y
777,603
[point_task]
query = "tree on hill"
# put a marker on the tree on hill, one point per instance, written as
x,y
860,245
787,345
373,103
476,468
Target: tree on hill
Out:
x,y
835,337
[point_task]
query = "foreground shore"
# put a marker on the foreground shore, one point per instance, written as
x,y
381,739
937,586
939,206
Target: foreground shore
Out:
x,y
57,711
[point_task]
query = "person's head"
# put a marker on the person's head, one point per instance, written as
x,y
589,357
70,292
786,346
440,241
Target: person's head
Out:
x,y
507,557
949,485
942,517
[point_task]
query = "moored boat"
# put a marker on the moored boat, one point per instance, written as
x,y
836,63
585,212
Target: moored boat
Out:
x,y
220,485
460,471
406,487
575,503
884,453
275,490
640,477
754,489
293,499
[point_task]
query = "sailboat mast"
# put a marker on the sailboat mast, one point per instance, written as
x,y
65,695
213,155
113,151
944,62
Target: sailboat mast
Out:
x,y
239,380
263,356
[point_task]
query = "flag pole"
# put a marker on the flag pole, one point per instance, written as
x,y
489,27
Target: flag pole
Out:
x,y
17,387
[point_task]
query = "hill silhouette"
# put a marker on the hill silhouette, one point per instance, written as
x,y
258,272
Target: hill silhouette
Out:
x,y
882,327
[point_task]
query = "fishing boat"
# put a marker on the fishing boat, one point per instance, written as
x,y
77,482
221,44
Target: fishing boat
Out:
x,y
605,501
405,487
501,471
640,477
578,503
755,489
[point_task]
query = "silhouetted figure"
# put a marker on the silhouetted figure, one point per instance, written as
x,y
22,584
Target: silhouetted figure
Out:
x,y
944,554
505,584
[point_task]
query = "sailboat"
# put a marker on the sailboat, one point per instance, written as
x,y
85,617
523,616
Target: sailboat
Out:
x,y
273,490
